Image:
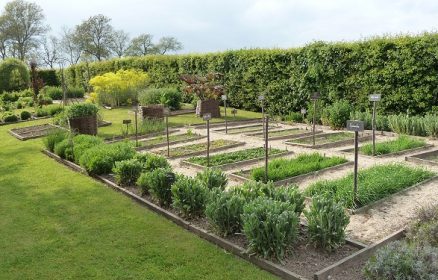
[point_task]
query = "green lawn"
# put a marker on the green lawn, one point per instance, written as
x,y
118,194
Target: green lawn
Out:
x,y
58,224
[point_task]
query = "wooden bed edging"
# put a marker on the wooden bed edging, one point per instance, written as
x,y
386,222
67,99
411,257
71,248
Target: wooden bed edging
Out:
x,y
357,257
140,136
225,244
327,145
285,137
399,153
229,123
420,158
233,165
372,204
212,150
159,145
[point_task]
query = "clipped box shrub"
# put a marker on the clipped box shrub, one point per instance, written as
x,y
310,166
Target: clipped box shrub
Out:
x,y
25,115
10,117
159,184
100,159
151,161
224,210
212,178
327,222
189,196
270,226
83,142
127,171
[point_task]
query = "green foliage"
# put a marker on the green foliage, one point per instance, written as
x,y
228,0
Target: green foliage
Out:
x,y
171,97
270,226
49,77
327,222
44,100
54,93
10,117
159,184
14,75
400,144
127,171
295,117
289,194
25,115
75,92
212,178
100,159
78,110
10,97
55,136
424,231
151,161
367,117
149,96
64,149
279,169
224,210
400,261
431,125
374,183
189,196
410,125
83,142
337,114
41,112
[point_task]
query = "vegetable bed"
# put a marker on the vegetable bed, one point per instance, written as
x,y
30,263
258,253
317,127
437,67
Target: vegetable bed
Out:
x,y
194,149
244,129
325,138
373,184
393,146
173,139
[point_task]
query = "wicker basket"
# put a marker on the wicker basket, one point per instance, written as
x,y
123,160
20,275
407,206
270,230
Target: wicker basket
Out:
x,y
84,125
208,106
152,112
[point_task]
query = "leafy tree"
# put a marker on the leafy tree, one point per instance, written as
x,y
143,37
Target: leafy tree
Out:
x,y
142,45
120,42
14,75
167,44
95,36
23,25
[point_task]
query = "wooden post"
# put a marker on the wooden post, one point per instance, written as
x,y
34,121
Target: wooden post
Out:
x,y
355,126
374,98
315,97
266,149
207,117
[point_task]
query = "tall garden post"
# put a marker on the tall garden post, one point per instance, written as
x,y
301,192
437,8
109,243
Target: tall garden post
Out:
x,y
136,125
266,148
261,99
224,98
315,97
374,98
355,126
166,112
207,118
127,123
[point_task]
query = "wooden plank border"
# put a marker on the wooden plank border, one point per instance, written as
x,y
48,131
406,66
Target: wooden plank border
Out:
x,y
326,145
212,150
159,145
420,158
399,153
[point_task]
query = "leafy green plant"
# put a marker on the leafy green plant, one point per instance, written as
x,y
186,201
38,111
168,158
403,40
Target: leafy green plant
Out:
x,y
159,184
212,178
424,231
289,194
75,92
293,117
10,117
53,137
337,114
410,125
171,97
400,144
64,149
149,96
374,183
127,171
279,169
25,115
431,124
83,142
224,210
79,110
189,196
54,93
270,226
154,161
327,222
41,112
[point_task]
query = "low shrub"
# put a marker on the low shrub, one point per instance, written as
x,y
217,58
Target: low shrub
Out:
x,y
159,184
431,125
54,136
44,100
26,101
149,96
10,117
75,92
327,221
289,194
54,110
400,260
83,142
10,97
25,115
189,196
78,110
54,93
410,125
270,226
424,231
337,114
295,117
251,190
212,178
64,149
126,172
151,161
367,117
171,97
41,112
224,210
100,159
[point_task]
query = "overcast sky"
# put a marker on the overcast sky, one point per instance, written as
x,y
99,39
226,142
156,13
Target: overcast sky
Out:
x,y
208,25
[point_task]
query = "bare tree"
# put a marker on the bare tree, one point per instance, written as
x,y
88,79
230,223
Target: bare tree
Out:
x,y
70,47
50,54
141,45
120,42
24,26
3,39
168,44
95,36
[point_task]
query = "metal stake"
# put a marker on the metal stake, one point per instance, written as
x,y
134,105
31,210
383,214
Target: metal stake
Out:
x,y
356,158
167,136
208,143
136,126
266,149
314,120
226,124
374,128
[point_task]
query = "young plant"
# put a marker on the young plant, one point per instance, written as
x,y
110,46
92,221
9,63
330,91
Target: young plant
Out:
x,y
270,226
212,178
327,221
54,136
189,196
158,183
127,171
224,210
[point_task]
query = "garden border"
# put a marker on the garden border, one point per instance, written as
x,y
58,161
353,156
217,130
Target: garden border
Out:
x,y
335,144
399,153
419,160
140,136
294,179
222,243
229,166
291,136
229,123
159,145
212,150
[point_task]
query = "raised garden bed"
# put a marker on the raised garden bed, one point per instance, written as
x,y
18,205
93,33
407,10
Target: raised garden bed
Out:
x,y
286,171
230,123
374,184
227,161
327,140
244,129
399,146
32,132
161,140
140,136
286,134
428,158
102,123
199,148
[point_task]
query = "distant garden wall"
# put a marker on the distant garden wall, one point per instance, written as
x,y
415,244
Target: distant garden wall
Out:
x,y
404,69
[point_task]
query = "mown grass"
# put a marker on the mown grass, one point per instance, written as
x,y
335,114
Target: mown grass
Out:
x,y
400,144
191,148
232,157
373,184
59,224
279,169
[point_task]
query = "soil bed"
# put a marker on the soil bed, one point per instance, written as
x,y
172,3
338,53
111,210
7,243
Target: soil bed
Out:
x,y
161,141
31,132
243,129
285,134
199,148
327,140
428,158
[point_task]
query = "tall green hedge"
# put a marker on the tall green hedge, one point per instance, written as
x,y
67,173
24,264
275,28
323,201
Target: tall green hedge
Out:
x,y
404,69
49,77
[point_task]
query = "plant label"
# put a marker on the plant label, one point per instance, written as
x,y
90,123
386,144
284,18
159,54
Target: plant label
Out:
x,y
206,116
224,97
166,111
261,97
303,111
315,96
375,97
355,125
127,121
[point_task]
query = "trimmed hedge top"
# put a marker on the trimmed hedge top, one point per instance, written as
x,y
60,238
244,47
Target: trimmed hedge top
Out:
x,y
82,110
